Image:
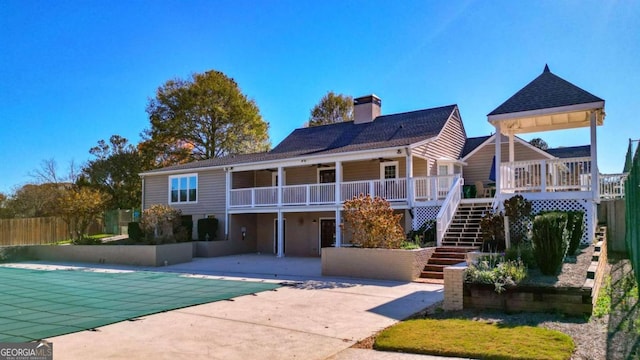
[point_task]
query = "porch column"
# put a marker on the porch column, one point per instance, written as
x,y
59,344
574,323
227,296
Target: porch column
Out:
x,y
280,239
498,161
409,178
511,150
595,182
227,184
280,184
338,183
338,227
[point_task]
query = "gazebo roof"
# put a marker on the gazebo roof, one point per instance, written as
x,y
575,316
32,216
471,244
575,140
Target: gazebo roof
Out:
x,y
547,103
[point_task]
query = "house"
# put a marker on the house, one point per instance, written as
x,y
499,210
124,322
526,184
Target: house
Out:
x,y
288,201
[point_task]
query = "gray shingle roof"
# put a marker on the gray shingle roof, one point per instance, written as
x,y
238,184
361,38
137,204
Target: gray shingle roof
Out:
x,y
546,91
471,143
385,131
571,151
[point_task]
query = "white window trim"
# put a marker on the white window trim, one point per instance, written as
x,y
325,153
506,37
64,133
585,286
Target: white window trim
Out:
x,y
324,169
274,176
383,165
183,176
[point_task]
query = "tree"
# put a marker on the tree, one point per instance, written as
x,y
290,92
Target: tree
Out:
x,y
115,171
202,118
539,143
5,210
373,223
48,173
35,200
79,207
332,108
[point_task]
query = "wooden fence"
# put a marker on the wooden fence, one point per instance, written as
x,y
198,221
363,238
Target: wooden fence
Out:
x,y
32,231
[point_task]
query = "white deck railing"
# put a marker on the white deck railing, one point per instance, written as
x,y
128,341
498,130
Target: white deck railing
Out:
x,y
432,188
570,174
612,185
390,189
448,208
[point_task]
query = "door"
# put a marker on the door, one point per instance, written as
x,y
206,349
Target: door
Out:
x,y
327,233
444,183
275,236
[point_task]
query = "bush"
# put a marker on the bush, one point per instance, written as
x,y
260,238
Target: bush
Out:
x,y
207,229
518,209
425,235
575,227
497,271
184,232
492,228
550,241
135,232
159,222
523,252
373,223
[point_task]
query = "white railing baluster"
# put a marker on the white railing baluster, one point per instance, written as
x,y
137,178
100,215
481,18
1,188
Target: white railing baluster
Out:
x,y
448,209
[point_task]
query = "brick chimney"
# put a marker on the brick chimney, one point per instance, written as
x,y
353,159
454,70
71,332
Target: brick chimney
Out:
x,y
366,108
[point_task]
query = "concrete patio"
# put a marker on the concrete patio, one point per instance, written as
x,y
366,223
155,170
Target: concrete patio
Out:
x,y
312,317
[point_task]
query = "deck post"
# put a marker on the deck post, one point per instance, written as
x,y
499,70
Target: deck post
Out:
x,y
280,239
594,158
409,179
280,184
338,187
227,202
338,227
498,161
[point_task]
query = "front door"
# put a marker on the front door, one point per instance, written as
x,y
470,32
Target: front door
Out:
x,y
327,233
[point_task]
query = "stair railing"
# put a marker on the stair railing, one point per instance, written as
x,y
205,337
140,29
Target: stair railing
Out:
x,y
448,208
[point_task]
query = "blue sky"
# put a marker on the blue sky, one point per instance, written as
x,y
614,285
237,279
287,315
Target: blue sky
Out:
x,y
75,72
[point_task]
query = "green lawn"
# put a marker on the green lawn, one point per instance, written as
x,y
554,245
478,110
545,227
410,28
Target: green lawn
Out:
x,y
474,339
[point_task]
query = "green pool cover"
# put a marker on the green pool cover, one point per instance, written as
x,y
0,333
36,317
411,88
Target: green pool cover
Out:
x,y
38,304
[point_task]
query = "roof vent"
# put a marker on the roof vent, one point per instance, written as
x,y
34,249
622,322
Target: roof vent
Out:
x,y
366,108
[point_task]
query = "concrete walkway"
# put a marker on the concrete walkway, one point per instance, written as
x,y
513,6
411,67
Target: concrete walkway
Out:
x,y
313,317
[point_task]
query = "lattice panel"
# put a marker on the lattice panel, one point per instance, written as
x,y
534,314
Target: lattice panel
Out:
x,y
570,205
424,213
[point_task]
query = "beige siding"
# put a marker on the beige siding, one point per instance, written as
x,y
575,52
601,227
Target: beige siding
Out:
x,y
264,178
211,196
244,179
301,175
419,167
479,164
302,235
368,169
448,144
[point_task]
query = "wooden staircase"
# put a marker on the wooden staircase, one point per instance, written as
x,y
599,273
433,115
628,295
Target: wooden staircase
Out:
x,y
462,236
464,229
444,256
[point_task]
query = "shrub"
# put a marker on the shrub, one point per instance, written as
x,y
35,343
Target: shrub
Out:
x,y
184,232
207,229
575,227
523,252
135,232
425,235
518,209
373,223
159,221
496,270
492,228
550,241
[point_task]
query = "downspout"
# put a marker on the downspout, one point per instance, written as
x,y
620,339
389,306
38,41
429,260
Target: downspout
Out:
x,y
143,190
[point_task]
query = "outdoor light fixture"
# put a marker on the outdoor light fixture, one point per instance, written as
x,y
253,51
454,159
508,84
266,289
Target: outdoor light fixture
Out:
x,y
243,230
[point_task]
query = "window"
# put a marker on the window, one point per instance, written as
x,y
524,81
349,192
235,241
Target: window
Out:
x,y
326,175
389,170
183,189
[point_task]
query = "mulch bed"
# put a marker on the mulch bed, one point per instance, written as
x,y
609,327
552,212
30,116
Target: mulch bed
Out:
x,y
595,338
